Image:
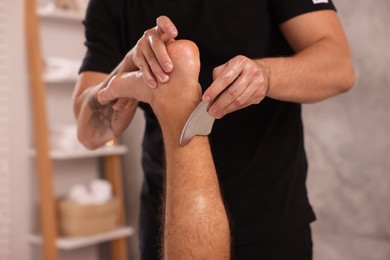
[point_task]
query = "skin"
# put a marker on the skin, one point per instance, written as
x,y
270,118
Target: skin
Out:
x,y
98,123
195,220
196,224
321,68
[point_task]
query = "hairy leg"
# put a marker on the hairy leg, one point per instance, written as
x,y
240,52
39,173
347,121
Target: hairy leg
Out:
x,y
195,220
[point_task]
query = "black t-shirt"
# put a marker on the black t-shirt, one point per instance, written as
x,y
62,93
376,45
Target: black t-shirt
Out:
x,y
258,151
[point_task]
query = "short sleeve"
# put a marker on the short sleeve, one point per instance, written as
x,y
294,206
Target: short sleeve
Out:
x,y
283,10
102,38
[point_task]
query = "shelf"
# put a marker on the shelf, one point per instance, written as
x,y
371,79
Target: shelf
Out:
x,y
61,70
84,153
65,243
49,12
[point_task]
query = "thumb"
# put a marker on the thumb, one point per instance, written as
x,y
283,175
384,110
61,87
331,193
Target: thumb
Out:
x,y
105,95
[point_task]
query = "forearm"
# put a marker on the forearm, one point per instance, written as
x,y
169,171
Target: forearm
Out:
x,y
99,123
320,71
196,224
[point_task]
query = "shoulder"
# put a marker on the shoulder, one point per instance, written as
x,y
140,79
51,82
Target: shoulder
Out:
x,y
284,10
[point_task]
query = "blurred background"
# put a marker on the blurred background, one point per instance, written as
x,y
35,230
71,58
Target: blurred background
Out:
x,y
347,140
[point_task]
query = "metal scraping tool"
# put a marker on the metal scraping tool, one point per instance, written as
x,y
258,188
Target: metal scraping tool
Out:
x,y
198,123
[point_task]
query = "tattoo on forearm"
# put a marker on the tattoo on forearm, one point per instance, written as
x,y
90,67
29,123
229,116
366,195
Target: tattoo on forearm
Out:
x,y
102,115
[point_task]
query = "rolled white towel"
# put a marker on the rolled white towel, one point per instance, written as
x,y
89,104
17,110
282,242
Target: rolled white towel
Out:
x,y
79,194
101,191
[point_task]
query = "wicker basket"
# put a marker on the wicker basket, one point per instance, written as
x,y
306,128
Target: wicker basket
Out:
x,y
81,220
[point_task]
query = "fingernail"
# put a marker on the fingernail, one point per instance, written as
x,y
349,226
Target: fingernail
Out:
x,y
164,77
152,83
168,67
214,113
173,31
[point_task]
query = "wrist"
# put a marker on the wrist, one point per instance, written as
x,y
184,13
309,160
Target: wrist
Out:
x,y
262,63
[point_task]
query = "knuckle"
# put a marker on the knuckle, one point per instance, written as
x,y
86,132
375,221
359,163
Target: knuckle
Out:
x,y
227,79
238,102
246,104
141,43
258,99
233,93
215,71
242,59
259,73
153,43
148,33
139,64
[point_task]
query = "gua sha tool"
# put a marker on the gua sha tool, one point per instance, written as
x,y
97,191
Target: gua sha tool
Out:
x,y
198,123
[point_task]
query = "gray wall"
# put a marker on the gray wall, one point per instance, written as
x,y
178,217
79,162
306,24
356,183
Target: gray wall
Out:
x,y
348,144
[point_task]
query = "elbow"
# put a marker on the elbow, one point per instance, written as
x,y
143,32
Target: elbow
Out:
x,y
90,145
87,140
348,78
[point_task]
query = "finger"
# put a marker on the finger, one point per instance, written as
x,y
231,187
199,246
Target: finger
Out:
x,y
244,100
165,27
120,104
154,66
146,72
228,96
226,77
161,53
106,95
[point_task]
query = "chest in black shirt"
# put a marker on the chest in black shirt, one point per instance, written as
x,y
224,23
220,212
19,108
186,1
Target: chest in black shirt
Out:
x,y
222,29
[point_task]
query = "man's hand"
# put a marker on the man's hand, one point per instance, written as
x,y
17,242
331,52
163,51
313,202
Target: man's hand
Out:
x,y
237,84
172,101
150,53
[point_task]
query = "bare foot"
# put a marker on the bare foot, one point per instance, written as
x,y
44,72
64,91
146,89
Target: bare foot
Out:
x,y
173,102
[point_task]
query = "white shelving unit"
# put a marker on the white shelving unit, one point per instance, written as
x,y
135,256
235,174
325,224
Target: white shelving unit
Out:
x,y
65,243
60,71
63,71
49,12
82,153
